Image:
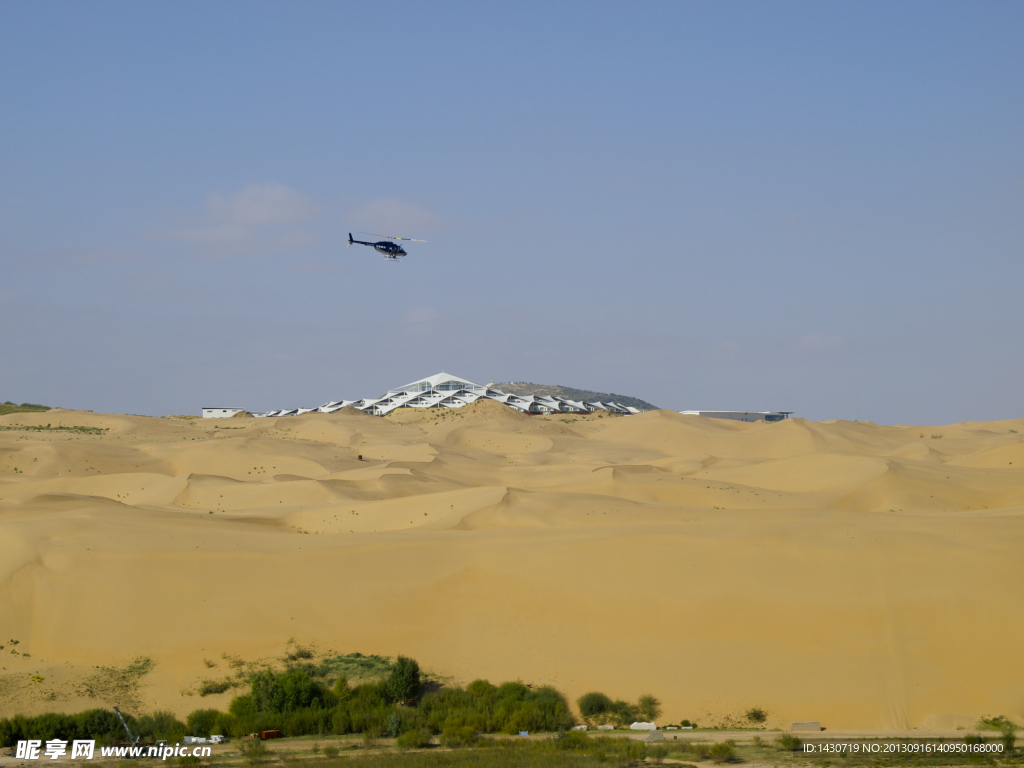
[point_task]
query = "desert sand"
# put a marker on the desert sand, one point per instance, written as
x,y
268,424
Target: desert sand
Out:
x,y
866,576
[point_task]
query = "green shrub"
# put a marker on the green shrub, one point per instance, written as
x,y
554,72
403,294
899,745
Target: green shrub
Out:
x,y
699,749
404,681
187,760
592,704
1008,737
648,707
286,692
162,724
341,689
657,753
331,751
254,752
788,743
210,687
722,752
201,722
756,715
417,738
458,736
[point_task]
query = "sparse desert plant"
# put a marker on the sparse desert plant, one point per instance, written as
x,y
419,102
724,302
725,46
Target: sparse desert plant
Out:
x,y
756,715
657,753
211,687
788,743
1008,737
756,741
973,739
254,752
699,749
723,752
989,723
315,749
300,652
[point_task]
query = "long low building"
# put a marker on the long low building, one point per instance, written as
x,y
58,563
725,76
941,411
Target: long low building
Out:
x,y
446,391
742,415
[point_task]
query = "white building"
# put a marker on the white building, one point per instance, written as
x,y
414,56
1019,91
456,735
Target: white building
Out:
x,y
446,391
742,415
221,413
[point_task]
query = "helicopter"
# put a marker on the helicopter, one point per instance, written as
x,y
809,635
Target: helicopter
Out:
x,y
390,251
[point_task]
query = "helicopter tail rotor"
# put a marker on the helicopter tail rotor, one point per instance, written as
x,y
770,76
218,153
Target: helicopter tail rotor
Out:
x,y
349,239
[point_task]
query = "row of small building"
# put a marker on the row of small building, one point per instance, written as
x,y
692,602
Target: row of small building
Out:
x,y
446,391
441,391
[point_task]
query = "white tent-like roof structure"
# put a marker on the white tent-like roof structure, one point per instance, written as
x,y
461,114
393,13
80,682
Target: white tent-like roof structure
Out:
x,y
444,390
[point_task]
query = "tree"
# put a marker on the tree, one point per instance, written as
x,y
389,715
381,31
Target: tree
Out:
x,y
592,704
404,682
648,707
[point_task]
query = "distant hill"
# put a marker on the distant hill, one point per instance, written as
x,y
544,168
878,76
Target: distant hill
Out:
x,y
10,407
571,393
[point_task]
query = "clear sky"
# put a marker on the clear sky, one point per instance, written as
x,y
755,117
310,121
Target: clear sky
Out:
x,y
816,207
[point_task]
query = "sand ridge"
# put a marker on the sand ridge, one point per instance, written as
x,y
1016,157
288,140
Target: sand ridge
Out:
x,y
844,571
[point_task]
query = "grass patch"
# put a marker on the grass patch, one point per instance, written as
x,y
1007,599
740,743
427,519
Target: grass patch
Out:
x,y
9,407
58,428
213,687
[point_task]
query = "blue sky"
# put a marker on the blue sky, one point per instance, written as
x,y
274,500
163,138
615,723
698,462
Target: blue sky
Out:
x,y
816,207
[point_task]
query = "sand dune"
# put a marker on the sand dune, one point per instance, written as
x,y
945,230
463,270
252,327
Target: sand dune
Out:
x,y
860,574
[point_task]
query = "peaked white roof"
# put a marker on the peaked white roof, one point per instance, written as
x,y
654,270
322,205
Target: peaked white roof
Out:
x,y
433,381
443,390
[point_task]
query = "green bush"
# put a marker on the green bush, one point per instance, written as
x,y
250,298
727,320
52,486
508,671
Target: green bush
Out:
x,y
99,724
211,687
788,743
593,704
201,722
417,738
1008,737
756,715
160,725
722,752
187,760
331,751
648,707
404,681
657,753
699,749
254,752
458,736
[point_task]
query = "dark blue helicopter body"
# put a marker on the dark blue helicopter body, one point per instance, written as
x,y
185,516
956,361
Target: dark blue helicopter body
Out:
x,y
388,250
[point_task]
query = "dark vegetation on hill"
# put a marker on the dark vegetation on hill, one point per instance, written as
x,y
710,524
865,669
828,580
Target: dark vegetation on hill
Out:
x,y
10,407
525,388
298,703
